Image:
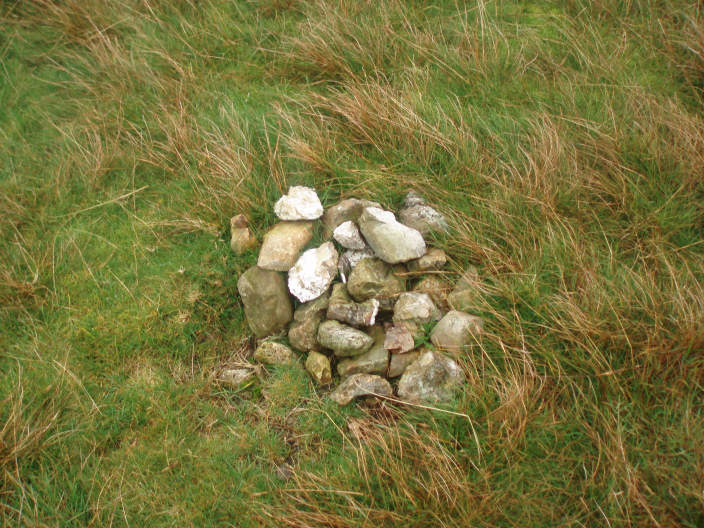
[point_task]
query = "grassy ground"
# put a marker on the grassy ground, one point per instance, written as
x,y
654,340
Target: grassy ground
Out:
x,y
564,139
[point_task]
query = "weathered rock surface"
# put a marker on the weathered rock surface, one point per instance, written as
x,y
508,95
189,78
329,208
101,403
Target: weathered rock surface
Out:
x,y
348,236
399,339
399,362
283,243
456,330
267,304
233,378
437,289
313,272
390,240
241,238
373,361
373,279
344,211
349,259
301,203
432,378
414,307
342,308
417,214
435,259
303,332
318,365
271,353
360,385
343,340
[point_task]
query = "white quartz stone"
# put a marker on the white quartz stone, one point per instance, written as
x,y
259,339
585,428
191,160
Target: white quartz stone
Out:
x,y
301,203
348,235
313,273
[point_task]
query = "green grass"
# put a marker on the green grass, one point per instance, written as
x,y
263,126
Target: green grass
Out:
x,y
564,140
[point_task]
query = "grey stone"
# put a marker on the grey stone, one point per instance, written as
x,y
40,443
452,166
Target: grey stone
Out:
x,y
456,330
313,272
267,304
348,236
360,385
283,243
271,353
342,308
399,339
415,307
434,260
349,259
303,333
344,211
374,279
373,361
318,365
233,378
301,203
343,340
241,238
399,362
437,289
431,378
423,218
390,240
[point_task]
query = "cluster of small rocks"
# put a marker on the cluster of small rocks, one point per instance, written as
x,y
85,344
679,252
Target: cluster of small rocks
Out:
x,y
365,297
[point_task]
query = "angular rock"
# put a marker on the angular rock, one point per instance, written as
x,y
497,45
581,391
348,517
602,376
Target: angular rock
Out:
x,y
399,339
241,238
348,236
303,332
233,378
343,340
456,330
342,308
414,307
360,385
283,243
344,211
435,259
399,362
423,218
437,289
318,365
349,259
313,272
301,203
373,279
390,240
271,353
373,361
432,378
267,304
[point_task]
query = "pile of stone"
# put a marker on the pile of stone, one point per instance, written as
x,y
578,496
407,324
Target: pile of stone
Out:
x,y
364,298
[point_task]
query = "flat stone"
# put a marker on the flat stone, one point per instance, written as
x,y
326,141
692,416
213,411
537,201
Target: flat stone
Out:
x,y
373,279
267,304
423,218
434,260
414,307
437,289
233,378
303,332
301,203
373,361
390,240
348,236
271,353
346,210
283,243
431,378
241,238
456,330
399,339
313,272
342,308
360,385
343,340
349,259
318,365
399,362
